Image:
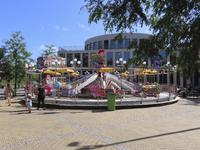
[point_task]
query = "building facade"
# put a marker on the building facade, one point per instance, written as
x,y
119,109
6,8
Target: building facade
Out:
x,y
116,50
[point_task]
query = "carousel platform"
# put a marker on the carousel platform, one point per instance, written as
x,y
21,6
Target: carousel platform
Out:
x,y
163,98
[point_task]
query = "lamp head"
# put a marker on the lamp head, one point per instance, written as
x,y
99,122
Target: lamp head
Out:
x,y
26,66
117,62
31,64
120,59
71,62
144,63
75,59
124,62
78,62
168,63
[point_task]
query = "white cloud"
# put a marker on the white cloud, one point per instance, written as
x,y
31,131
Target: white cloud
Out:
x,y
42,47
55,48
65,29
57,27
81,25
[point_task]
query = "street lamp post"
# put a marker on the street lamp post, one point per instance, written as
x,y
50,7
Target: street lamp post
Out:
x,y
175,79
26,67
55,63
41,76
121,64
144,63
31,65
168,65
75,63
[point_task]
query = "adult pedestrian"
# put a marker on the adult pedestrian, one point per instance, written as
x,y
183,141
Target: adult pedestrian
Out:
x,y
41,95
9,93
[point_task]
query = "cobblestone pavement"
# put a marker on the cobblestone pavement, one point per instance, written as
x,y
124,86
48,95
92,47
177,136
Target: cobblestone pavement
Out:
x,y
174,126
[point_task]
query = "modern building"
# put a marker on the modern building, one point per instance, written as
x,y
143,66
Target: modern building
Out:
x,y
115,51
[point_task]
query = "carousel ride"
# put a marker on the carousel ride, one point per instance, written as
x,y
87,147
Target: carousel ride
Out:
x,y
92,89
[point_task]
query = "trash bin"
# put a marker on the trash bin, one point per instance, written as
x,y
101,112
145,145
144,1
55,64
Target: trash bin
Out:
x,y
111,97
184,94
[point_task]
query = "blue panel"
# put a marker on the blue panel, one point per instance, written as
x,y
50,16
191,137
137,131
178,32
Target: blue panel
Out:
x,y
127,43
120,45
110,59
112,44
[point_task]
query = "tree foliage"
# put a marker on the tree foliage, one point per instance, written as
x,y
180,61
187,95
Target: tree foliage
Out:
x,y
49,50
15,57
175,26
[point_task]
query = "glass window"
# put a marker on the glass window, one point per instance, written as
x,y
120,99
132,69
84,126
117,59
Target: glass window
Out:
x,y
120,45
153,61
164,58
173,56
100,45
106,44
77,56
134,40
85,60
112,44
127,43
69,58
110,59
118,55
126,56
95,45
145,58
62,55
90,46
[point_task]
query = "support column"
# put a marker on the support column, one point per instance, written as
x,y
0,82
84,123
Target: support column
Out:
x,y
81,59
181,81
145,79
114,60
89,56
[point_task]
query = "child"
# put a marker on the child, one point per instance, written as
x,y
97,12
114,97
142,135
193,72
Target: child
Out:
x,y
26,101
29,103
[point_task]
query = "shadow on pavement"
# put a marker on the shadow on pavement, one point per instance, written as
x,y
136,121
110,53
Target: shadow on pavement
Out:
x,y
122,142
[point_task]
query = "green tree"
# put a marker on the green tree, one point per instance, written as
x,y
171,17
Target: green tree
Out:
x,y
49,50
16,57
175,26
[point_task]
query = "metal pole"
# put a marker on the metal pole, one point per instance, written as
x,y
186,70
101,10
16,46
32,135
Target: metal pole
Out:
x,y
31,82
169,82
75,82
55,80
121,80
26,83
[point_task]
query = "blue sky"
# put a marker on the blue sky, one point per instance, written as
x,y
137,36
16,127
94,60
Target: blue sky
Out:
x,y
46,22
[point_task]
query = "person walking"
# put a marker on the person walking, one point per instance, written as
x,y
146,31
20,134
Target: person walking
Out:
x,y
41,95
9,93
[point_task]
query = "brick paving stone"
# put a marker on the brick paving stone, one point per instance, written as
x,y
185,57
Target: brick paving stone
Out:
x,y
174,126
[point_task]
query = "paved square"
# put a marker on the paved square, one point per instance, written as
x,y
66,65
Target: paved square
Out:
x,y
174,126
